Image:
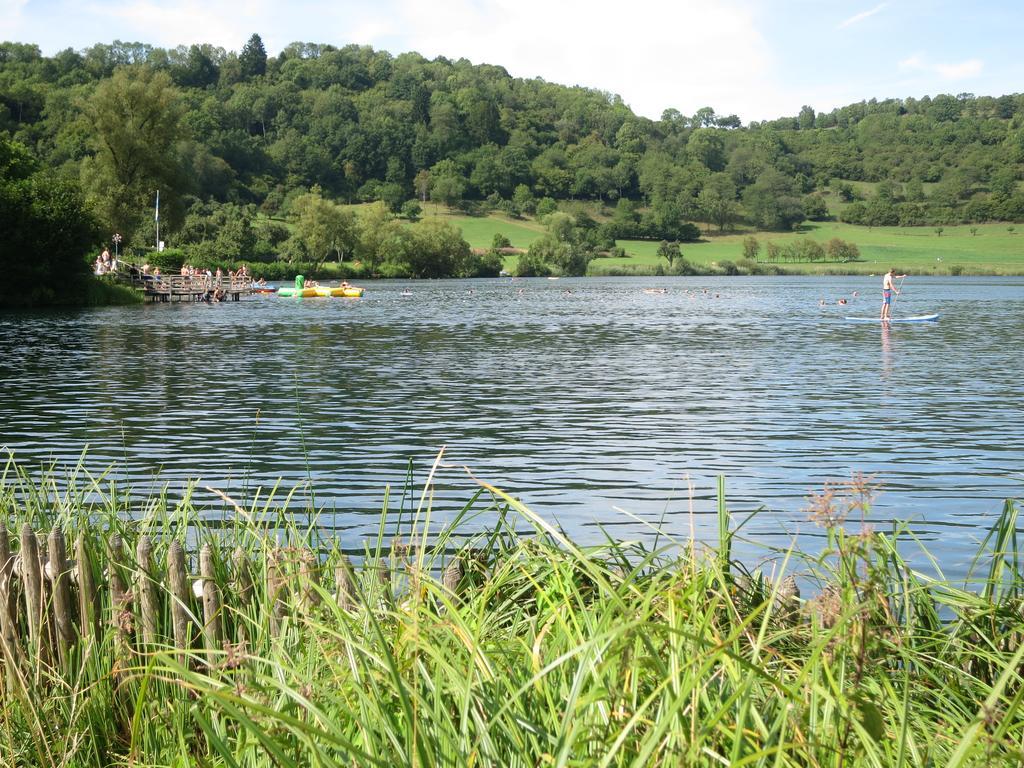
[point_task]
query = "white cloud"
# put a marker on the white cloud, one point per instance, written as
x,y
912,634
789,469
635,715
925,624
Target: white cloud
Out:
x,y
686,54
218,22
957,71
961,71
915,62
10,16
859,17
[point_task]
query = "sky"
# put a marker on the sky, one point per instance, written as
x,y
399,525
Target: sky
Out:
x,y
759,59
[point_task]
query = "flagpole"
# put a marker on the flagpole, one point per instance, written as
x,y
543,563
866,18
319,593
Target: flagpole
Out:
x,y
157,218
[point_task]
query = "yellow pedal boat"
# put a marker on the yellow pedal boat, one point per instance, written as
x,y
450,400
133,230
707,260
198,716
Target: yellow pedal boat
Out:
x,y
297,292
348,291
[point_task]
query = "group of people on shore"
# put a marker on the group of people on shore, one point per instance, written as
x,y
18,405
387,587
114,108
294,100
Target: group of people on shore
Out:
x,y
105,264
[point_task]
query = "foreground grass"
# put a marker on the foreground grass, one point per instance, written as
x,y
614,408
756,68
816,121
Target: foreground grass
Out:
x,y
544,653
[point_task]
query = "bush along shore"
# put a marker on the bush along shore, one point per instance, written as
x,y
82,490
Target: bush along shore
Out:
x,y
143,634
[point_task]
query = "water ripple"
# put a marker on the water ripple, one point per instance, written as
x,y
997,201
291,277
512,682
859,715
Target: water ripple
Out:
x,y
580,396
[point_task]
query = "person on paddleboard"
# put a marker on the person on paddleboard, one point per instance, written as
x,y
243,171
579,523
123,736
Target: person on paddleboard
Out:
x,y
887,292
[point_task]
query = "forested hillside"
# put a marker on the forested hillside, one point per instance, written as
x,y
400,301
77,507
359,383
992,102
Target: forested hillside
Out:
x,y
231,138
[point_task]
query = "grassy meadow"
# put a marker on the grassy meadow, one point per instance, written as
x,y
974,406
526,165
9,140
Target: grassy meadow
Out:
x,y
479,231
990,249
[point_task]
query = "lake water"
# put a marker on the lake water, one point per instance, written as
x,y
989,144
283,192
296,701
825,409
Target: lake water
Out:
x,y
592,400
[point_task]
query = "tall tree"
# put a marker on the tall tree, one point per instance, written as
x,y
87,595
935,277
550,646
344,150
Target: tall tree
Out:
x,y
324,227
717,201
135,123
447,183
253,58
806,118
772,201
47,232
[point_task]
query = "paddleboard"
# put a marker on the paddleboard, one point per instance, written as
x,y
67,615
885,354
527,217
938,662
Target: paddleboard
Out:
x,y
912,319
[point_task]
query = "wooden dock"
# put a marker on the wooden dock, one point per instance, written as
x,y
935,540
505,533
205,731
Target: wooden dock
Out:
x,y
175,288
198,288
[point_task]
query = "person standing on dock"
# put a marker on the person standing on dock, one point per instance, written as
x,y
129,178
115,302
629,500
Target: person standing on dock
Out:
x,y
887,292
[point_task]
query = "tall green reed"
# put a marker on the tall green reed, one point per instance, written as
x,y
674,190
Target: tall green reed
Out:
x,y
540,652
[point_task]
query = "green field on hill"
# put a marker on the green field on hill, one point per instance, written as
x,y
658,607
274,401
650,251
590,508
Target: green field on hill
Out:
x,y
993,249
479,231
990,249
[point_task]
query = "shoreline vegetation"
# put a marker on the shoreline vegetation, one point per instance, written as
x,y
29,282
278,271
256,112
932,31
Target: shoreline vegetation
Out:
x,y
496,242
510,645
325,154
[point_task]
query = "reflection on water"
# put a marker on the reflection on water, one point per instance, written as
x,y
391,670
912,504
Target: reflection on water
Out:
x,y
578,395
886,350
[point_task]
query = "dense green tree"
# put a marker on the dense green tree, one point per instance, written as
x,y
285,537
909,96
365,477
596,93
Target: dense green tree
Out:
x,y
708,147
806,118
439,250
532,263
717,201
773,201
253,58
447,183
815,207
669,251
411,210
366,125
751,247
375,226
704,118
841,250
392,195
47,233
134,119
196,68
523,202
422,184
326,229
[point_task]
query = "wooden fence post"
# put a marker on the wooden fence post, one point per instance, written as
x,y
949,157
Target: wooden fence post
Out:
x,y
178,586
275,589
46,627
452,578
121,617
149,602
63,624
243,576
344,588
244,589
211,602
88,608
9,651
309,575
380,583
32,580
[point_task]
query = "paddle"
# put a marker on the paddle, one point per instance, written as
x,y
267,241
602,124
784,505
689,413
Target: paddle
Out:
x,y
899,290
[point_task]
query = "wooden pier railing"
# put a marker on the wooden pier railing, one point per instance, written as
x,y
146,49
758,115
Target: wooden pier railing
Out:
x,y
194,288
184,287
